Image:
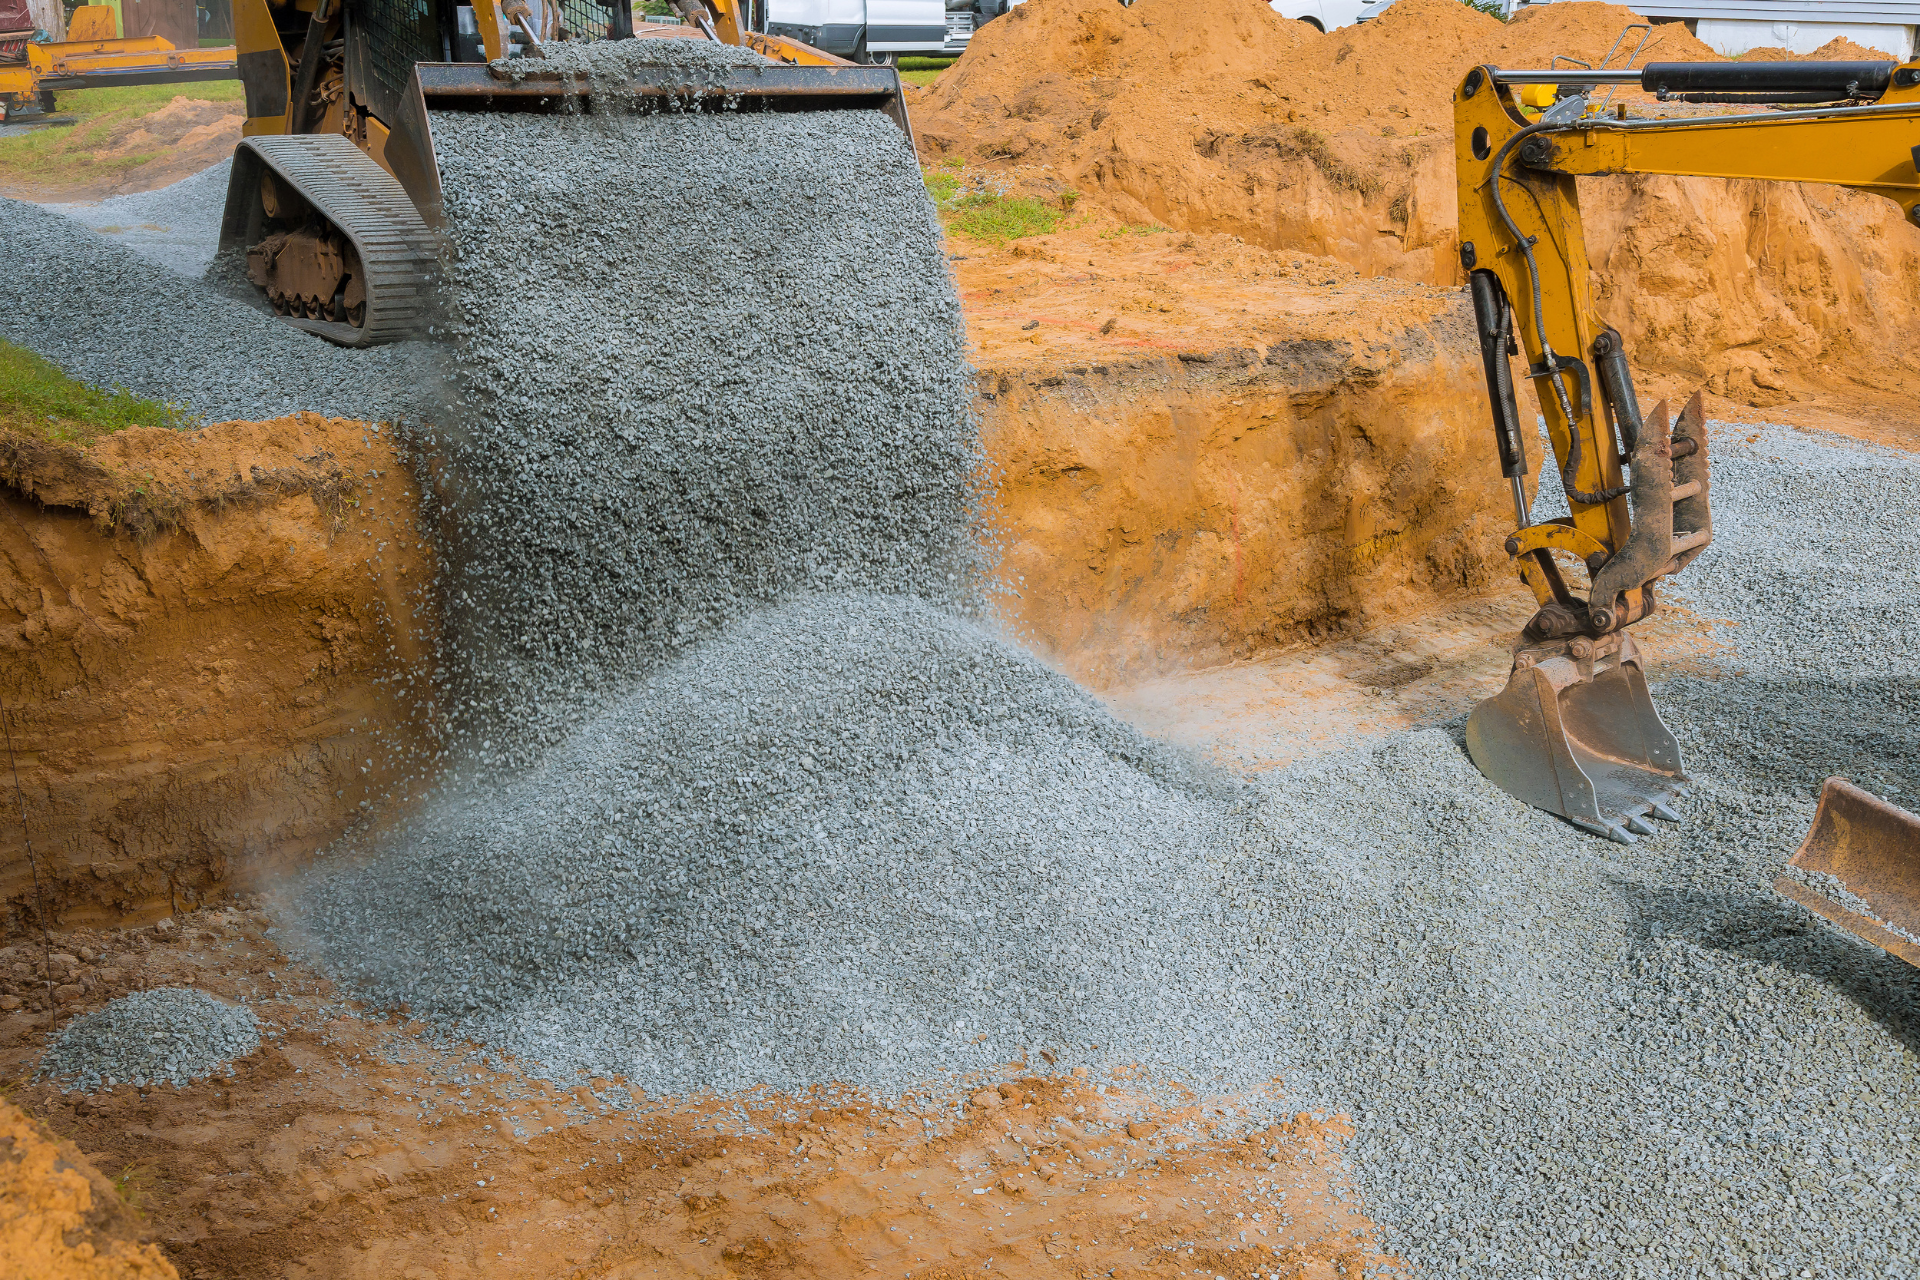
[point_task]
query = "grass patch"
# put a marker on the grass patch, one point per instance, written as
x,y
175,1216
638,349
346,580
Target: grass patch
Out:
x,y
38,400
985,216
1132,229
923,71
102,117
941,186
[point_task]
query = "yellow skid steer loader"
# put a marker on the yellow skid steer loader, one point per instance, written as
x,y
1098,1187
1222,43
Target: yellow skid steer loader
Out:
x,y
334,200
1575,731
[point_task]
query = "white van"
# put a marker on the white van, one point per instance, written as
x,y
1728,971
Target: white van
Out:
x,y
863,30
1322,15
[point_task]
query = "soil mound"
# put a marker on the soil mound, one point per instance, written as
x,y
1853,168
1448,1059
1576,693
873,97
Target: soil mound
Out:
x,y
1341,145
1838,49
59,1218
1060,82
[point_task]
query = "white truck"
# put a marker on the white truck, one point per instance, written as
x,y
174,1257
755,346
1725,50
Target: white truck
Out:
x,y
1732,27
872,31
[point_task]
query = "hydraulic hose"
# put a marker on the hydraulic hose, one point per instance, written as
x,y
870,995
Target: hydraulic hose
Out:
x,y
1548,360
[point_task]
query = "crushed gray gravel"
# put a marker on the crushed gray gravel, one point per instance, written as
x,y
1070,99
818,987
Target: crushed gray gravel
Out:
x,y
111,317
170,1035
844,840
177,226
799,420
841,839
605,60
1570,1058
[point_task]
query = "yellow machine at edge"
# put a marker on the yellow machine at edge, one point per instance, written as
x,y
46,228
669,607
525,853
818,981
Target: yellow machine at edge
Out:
x,y
1575,731
93,57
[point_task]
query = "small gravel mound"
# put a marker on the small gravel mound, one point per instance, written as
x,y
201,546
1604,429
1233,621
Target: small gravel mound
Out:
x,y
853,838
173,1035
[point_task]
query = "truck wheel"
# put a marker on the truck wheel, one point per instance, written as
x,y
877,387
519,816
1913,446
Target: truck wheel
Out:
x,y
862,55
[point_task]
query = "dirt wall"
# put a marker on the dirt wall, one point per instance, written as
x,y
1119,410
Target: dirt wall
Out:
x,y
1284,453
206,643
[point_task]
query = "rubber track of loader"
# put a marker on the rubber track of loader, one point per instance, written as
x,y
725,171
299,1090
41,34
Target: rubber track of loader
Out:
x,y
397,249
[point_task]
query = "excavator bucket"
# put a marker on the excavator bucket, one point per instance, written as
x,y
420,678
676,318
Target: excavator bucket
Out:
x,y
1860,868
1577,734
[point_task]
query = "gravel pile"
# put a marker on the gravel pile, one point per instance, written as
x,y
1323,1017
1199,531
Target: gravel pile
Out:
x,y
171,1035
177,226
1576,1059
846,837
844,840
111,317
799,420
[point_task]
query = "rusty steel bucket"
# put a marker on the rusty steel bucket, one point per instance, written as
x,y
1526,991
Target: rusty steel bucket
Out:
x,y
1860,868
1575,732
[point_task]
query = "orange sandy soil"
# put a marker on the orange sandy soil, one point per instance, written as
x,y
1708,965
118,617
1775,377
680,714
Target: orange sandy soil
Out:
x,y
205,638
1205,449
60,1219
353,1146
1217,116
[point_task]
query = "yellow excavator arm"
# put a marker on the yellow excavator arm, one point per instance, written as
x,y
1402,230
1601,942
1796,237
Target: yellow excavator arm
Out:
x,y
1575,731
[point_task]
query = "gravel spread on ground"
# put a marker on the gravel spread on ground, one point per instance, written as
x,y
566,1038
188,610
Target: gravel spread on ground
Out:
x,y
753,388
113,318
177,226
170,1035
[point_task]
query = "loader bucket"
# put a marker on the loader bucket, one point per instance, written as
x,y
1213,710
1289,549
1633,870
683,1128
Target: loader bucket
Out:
x,y
1576,733
1860,868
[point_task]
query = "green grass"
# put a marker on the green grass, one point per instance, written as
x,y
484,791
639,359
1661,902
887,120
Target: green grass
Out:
x,y
102,116
941,186
38,400
923,71
999,219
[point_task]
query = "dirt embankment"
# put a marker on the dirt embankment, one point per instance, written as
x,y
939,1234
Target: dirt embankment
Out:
x,y
356,1150
1213,115
60,1219
1207,450
211,644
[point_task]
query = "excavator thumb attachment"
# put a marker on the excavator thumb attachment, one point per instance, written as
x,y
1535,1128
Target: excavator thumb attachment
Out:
x,y
1575,732
1860,868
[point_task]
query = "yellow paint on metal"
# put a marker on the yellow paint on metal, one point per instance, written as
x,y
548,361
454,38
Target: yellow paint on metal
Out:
x,y
255,36
92,22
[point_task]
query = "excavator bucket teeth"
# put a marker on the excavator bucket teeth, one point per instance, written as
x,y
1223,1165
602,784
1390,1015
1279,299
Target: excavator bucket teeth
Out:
x,y
1860,868
1581,738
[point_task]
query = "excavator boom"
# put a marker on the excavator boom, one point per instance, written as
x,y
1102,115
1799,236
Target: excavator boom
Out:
x,y
1576,731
